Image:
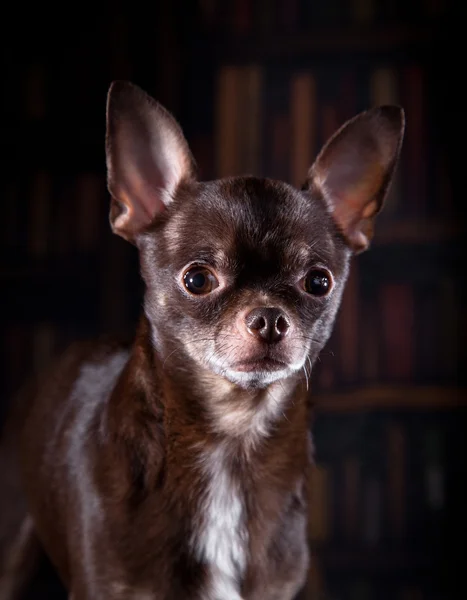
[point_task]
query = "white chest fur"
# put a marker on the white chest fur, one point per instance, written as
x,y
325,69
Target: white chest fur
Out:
x,y
221,541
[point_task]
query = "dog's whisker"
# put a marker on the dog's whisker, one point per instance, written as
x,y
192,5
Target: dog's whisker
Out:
x,y
306,376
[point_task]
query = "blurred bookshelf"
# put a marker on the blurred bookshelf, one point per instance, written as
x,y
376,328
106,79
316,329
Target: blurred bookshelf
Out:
x,y
428,397
258,86
386,491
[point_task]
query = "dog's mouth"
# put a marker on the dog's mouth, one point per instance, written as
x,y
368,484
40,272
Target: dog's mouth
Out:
x,y
254,372
256,369
265,364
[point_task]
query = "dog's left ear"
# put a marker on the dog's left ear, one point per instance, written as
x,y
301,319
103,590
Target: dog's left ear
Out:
x,y
353,171
147,158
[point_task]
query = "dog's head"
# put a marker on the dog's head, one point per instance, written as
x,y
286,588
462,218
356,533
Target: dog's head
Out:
x,y
244,275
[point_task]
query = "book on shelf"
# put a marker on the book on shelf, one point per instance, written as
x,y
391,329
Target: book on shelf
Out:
x,y
277,125
451,322
265,17
35,92
329,120
373,497
44,340
315,584
302,143
288,14
363,12
348,327
414,150
90,196
319,504
207,14
410,592
16,355
228,122
202,147
360,589
65,213
40,213
351,487
396,457
242,16
280,138
239,121
396,327
427,331
11,222
369,338
429,468
250,114
434,461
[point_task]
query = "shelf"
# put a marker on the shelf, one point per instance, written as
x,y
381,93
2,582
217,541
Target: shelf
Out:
x,y
322,41
369,559
418,231
391,397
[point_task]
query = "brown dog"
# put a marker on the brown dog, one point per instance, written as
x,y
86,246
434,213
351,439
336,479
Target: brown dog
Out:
x,y
176,468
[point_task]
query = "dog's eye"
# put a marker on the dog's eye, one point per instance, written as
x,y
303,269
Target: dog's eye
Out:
x,y
200,280
318,282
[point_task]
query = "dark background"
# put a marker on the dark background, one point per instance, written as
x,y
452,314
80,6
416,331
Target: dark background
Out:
x,y
388,507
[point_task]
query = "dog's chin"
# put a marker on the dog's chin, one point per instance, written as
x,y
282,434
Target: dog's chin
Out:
x,y
256,379
255,374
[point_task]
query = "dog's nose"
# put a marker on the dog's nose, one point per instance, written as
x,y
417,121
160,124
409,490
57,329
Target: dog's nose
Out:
x,y
268,324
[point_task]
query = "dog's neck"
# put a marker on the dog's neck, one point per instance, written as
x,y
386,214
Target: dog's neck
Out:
x,y
198,406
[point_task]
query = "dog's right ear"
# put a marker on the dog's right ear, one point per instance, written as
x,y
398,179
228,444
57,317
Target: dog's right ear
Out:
x,y
147,158
354,170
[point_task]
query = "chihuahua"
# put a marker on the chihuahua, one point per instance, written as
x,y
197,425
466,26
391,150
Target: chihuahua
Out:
x,y
176,468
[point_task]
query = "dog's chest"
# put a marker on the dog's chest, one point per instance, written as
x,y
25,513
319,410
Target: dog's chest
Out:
x,y
221,538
